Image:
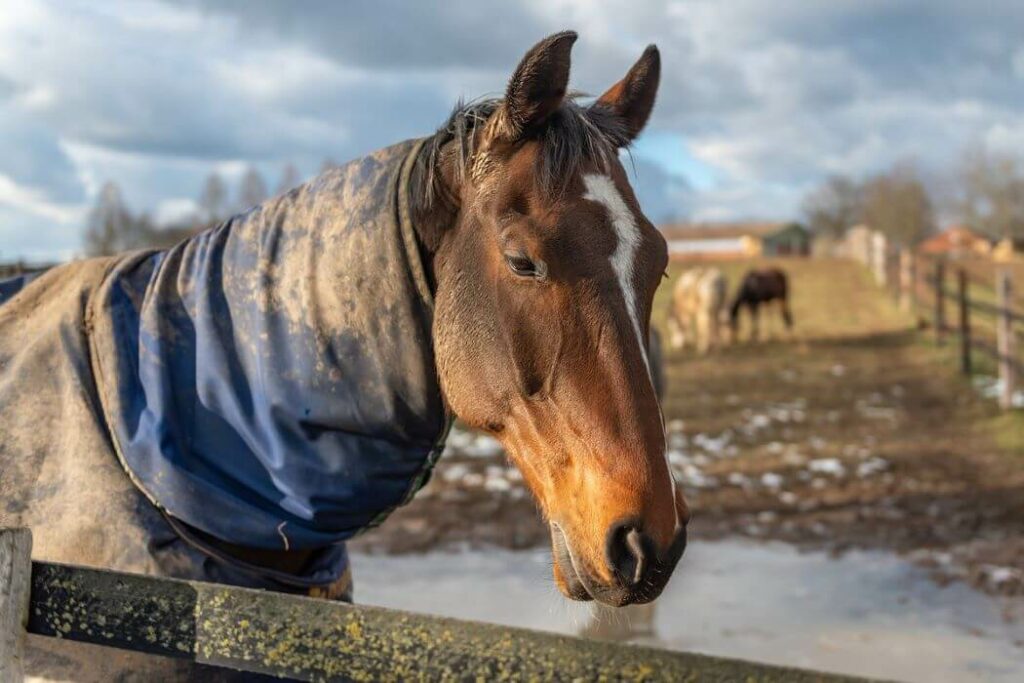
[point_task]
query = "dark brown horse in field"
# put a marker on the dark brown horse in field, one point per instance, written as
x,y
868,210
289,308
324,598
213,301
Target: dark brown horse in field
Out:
x,y
757,288
528,270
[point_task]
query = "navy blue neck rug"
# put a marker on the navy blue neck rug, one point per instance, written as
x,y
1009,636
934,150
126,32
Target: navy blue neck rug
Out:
x,y
271,381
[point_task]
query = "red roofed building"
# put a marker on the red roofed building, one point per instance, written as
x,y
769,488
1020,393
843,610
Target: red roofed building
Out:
x,y
956,241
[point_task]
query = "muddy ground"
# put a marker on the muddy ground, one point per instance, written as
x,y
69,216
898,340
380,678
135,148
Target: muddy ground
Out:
x,y
854,432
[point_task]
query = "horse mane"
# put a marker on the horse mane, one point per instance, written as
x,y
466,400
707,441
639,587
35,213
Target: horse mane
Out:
x,y
571,136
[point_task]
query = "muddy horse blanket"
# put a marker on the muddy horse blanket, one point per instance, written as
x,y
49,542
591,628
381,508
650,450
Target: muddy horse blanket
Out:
x,y
269,382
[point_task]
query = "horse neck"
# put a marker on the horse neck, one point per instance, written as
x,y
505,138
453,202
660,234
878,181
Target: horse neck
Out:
x,y
433,218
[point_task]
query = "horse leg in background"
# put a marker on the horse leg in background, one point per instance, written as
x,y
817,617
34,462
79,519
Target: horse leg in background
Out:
x,y
787,315
755,321
685,324
714,328
676,338
703,331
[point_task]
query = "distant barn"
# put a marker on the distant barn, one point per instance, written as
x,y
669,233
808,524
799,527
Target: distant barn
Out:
x,y
736,240
956,241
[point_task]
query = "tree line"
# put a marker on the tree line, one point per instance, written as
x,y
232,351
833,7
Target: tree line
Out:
x,y
112,227
985,192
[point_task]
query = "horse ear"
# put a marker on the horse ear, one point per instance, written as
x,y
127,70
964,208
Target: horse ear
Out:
x,y
537,87
632,98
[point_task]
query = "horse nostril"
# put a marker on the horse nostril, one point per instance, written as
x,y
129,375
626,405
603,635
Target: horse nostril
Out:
x,y
627,553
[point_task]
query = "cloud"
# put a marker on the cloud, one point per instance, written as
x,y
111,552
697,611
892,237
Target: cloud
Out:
x,y
759,100
663,196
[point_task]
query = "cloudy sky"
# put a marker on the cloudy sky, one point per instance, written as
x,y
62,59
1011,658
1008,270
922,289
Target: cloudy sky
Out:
x,y
759,101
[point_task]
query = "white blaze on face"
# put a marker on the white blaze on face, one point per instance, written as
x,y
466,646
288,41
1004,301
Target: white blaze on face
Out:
x,y
601,189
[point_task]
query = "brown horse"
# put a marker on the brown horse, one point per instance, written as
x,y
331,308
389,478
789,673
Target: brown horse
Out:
x,y
546,269
760,287
529,319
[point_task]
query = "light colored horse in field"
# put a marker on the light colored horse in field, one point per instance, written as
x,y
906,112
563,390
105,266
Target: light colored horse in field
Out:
x,y
696,309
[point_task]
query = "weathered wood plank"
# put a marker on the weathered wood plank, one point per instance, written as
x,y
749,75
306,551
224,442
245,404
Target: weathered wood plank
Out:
x,y
319,640
15,584
127,611
1006,340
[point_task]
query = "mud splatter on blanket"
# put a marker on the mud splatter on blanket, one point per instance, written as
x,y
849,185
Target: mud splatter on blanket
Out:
x,y
269,382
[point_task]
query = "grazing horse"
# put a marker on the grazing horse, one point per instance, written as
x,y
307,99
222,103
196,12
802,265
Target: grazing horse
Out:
x,y
234,408
696,308
760,287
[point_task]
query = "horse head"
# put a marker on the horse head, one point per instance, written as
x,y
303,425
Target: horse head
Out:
x,y
545,270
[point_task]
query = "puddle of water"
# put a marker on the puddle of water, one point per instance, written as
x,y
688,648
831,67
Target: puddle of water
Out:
x,y
867,613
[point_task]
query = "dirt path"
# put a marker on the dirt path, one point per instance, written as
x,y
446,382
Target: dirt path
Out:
x,y
854,433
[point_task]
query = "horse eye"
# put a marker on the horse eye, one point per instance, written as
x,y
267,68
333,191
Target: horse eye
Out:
x,y
523,266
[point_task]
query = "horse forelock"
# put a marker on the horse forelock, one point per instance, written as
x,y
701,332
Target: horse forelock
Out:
x,y
574,137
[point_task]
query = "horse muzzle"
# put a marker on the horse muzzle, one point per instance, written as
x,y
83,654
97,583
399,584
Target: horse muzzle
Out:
x,y
638,571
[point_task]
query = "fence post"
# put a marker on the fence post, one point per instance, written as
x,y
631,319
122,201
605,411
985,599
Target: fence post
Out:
x,y
878,260
940,301
1005,340
965,322
906,279
15,584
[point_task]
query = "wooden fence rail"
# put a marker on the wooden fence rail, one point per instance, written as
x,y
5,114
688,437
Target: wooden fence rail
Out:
x,y
310,639
917,275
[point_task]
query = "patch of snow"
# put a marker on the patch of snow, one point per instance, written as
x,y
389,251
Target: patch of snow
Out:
x,y
1001,575
992,387
871,467
712,444
497,485
678,458
827,466
771,480
695,478
455,472
838,370
484,446
738,479
464,442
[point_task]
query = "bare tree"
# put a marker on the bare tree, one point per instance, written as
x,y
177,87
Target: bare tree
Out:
x,y
897,204
289,178
214,198
111,227
252,189
834,206
991,193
